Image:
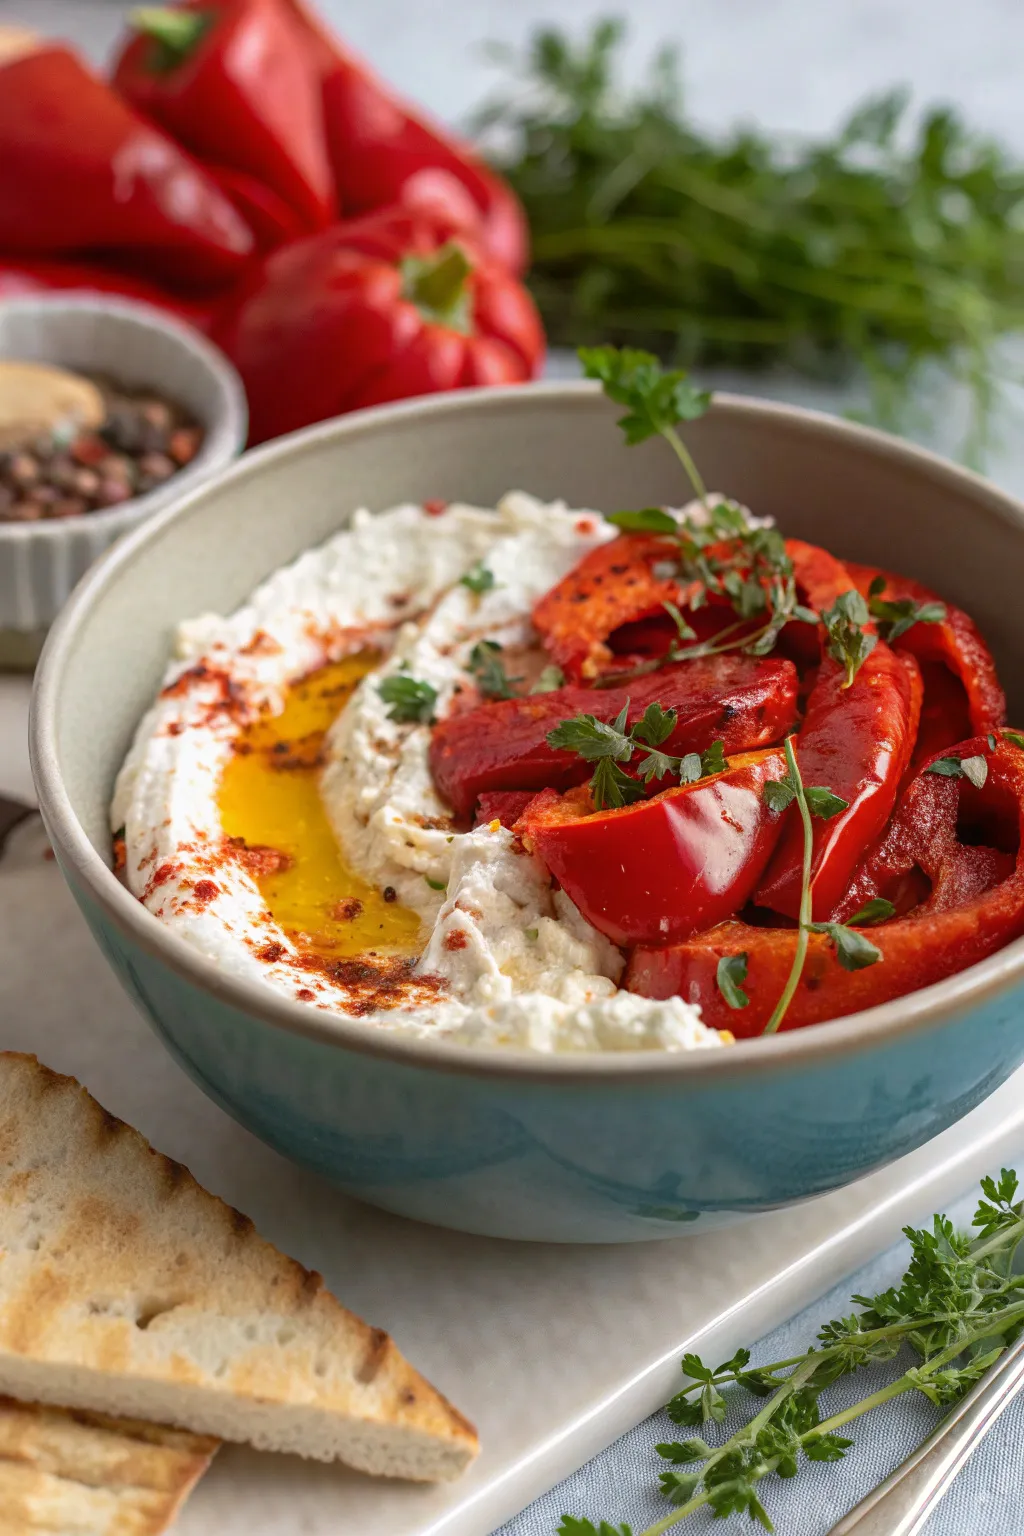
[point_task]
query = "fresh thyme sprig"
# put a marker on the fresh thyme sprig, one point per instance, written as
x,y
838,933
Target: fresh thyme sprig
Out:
x,y
958,1307
608,745
853,951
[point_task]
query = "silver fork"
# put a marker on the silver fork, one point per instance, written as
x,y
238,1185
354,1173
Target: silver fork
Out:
x,y
903,1503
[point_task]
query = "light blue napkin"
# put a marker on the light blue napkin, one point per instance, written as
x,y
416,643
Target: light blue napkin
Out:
x,y
987,1499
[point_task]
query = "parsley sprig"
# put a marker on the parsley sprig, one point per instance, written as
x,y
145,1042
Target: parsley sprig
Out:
x,y
848,642
974,769
896,615
958,1307
853,950
489,673
411,700
607,744
718,553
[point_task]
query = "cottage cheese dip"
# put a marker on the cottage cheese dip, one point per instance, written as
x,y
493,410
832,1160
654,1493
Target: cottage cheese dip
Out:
x,y
506,959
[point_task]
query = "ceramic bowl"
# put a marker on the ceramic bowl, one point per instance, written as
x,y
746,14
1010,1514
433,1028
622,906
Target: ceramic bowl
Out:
x,y
138,346
600,1148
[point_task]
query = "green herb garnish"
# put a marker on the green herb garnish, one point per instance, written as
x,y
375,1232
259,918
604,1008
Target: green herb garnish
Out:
x,y
975,769
896,615
1014,738
958,1308
478,579
730,976
718,553
410,700
877,910
550,679
436,885
848,642
886,248
853,950
609,744
488,673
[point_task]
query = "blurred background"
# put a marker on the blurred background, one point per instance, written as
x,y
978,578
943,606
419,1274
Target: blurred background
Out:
x,y
765,207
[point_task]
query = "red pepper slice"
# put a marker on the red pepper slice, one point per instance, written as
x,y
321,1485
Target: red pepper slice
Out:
x,y
662,869
375,310
856,741
917,950
921,841
238,86
945,717
81,171
613,585
504,805
744,702
957,643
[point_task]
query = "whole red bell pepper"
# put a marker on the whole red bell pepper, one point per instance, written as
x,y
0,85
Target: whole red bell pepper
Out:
x,y
236,83
744,702
857,742
662,869
917,950
81,172
21,277
375,310
956,642
382,151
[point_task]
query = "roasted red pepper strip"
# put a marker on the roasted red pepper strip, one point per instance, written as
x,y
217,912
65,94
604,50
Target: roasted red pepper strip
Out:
x,y
503,805
236,83
375,310
921,841
613,585
857,742
916,950
744,702
663,869
956,642
820,577
81,172
945,717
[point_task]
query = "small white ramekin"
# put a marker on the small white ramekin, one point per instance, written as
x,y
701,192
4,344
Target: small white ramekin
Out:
x,y
137,346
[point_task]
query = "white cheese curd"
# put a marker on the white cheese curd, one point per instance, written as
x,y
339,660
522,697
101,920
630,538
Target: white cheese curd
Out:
x,y
506,960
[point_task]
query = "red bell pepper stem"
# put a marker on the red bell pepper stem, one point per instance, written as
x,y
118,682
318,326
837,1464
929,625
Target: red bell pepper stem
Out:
x,y
437,286
177,33
800,953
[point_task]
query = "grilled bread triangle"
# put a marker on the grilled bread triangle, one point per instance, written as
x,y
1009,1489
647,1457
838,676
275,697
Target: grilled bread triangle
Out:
x,y
65,1473
125,1288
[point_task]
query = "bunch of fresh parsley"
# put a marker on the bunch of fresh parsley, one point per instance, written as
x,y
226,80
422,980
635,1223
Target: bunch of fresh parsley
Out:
x,y
892,247
958,1307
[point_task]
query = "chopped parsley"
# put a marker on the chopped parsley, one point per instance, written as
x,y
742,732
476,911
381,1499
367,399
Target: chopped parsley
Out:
x,y
609,744
411,701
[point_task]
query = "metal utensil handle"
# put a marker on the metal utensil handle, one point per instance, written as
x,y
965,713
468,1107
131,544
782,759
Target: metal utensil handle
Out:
x,y
901,1505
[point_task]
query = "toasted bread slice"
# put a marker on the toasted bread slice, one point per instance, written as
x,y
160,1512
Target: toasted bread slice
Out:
x,y
126,1288
66,1473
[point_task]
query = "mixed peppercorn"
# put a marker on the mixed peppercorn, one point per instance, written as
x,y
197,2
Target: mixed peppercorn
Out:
x,y
143,441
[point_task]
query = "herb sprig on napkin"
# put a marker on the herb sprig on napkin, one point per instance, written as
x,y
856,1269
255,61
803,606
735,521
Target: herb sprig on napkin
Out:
x,y
959,1305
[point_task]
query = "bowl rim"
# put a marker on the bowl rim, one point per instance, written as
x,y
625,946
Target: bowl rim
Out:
x,y
225,433
928,1008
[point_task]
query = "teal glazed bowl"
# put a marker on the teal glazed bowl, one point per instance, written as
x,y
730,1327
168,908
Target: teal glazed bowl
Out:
x,y
602,1148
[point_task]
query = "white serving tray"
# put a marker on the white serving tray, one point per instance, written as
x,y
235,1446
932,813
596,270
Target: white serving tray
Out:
x,y
552,1351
